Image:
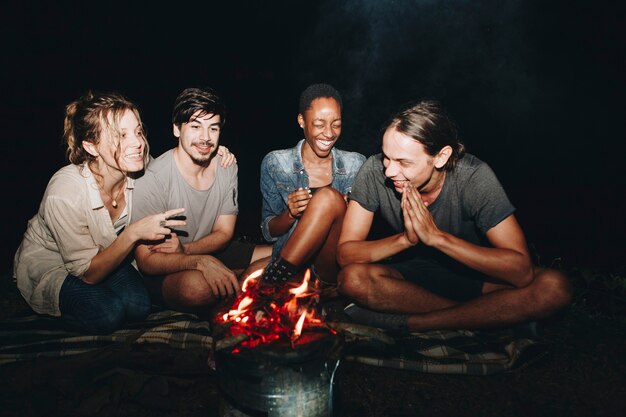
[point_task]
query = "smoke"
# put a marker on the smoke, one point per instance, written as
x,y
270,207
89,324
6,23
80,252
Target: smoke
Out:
x,y
472,56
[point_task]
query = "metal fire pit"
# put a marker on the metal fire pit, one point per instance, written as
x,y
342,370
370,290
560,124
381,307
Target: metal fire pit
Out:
x,y
278,380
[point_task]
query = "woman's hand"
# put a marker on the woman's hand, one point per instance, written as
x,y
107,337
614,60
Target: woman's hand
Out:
x,y
156,226
297,202
228,158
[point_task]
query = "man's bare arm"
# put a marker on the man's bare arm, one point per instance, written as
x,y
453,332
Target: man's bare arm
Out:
x,y
161,263
353,246
219,238
508,260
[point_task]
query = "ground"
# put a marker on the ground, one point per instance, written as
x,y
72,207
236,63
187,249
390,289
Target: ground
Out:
x,y
583,373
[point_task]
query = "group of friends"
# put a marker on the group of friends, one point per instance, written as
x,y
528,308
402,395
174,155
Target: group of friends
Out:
x,y
119,232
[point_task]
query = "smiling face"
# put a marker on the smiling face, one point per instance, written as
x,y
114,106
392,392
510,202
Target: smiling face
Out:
x,y
406,160
199,138
122,146
321,123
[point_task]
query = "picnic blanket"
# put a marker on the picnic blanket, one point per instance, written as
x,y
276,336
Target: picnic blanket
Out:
x,y
36,336
461,352
439,352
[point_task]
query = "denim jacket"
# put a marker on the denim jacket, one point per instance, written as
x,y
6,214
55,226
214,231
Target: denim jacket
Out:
x,y
282,172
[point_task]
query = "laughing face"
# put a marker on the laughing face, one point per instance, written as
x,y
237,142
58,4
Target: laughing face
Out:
x,y
321,123
122,147
199,138
406,161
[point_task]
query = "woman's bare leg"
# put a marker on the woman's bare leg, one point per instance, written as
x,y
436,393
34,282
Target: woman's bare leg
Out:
x,y
316,235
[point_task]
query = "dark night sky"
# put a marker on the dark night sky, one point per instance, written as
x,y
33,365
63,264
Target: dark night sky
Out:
x,y
536,88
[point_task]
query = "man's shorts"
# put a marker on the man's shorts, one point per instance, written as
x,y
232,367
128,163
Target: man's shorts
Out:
x,y
237,255
446,282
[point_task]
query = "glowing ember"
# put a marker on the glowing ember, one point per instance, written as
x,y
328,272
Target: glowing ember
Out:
x,y
266,313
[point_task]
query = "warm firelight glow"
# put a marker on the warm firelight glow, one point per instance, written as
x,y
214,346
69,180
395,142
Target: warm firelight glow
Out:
x,y
244,303
253,276
298,329
266,312
304,286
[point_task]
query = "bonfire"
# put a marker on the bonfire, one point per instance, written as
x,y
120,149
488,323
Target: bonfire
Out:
x,y
266,313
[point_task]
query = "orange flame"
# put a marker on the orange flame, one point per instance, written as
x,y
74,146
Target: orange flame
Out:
x,y
244,303
251,277
297,331
241,308
304,286
266,316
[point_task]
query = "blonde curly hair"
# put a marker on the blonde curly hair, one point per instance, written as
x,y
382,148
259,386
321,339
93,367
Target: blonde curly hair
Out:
x,y
89,118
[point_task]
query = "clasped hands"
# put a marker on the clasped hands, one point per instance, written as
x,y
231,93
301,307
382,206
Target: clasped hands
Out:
x,y
419,225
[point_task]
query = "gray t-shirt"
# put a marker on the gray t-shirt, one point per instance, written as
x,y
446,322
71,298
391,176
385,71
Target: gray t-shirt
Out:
x,y
471,202
162,188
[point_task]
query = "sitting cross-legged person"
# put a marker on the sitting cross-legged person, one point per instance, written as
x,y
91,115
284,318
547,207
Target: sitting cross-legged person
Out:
x,y
455,256
194,267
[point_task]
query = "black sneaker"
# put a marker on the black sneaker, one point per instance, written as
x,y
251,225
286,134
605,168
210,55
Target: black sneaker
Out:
x,y
388,321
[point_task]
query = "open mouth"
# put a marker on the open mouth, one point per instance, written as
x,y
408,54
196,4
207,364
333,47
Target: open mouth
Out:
x,y
138,156
204,148
325,145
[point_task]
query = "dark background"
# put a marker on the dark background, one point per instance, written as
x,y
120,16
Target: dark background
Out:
x,y
536,88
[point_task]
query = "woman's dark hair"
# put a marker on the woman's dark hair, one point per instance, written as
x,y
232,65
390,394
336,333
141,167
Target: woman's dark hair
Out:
x,y
315,91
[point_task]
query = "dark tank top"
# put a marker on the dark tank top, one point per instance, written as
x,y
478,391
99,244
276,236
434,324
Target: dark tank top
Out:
x,y
314,189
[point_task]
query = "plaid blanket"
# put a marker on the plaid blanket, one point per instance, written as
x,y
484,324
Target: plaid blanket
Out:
x,y
460,352
38,336
439,352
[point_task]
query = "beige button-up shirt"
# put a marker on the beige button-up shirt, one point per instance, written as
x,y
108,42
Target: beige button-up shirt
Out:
x,y
70,228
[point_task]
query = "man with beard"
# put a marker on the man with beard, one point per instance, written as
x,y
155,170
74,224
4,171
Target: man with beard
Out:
x,y
193,267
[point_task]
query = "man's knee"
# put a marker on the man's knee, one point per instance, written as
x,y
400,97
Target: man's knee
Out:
x,y
353,280
190,290
553,289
